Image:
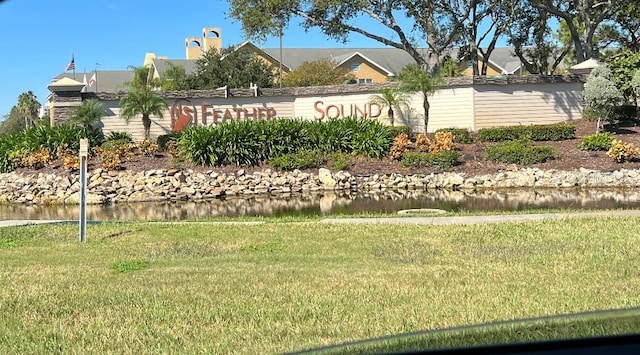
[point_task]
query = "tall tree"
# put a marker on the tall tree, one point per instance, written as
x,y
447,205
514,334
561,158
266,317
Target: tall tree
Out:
x,y
28,107
88,116
316,73
623,66
482,24
450,67
232,68
601,95
174,78
12,122
534,42
141,78
404,24
392,99
414,79
582,18
624,28
142,102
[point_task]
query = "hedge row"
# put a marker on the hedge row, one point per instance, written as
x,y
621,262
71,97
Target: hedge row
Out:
x,y
550,132
519,152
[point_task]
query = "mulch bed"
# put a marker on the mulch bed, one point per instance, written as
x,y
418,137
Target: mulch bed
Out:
x,y
474,164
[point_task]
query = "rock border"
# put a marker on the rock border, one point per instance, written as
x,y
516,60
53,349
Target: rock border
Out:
x,y
188,185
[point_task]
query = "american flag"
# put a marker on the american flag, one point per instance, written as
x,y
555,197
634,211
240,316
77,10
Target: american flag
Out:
x,y
72,64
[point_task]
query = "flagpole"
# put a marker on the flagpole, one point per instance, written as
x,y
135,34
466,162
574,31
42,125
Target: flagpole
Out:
x,y
96,73
73,58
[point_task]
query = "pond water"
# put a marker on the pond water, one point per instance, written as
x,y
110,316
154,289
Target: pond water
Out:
x,y
331,203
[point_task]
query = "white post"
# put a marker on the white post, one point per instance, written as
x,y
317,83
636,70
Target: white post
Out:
x,y
84,153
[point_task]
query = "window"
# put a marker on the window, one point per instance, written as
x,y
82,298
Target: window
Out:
x,y
365,81
355,66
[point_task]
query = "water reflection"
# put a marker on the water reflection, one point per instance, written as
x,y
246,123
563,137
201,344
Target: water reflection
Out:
x,y
340,203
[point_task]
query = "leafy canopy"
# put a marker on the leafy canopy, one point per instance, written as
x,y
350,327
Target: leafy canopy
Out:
x,y
233,68
28,107
601,94
317,73
143,102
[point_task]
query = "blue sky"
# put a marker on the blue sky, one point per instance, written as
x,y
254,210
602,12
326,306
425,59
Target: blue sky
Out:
x,y
38,37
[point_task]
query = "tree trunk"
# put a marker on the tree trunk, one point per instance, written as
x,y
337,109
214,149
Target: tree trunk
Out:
x,y
425,105
146,122
390,114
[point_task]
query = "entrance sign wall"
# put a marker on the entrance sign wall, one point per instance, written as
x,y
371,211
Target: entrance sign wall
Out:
x,y
471,103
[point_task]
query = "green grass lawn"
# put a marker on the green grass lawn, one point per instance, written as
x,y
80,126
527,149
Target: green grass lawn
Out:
x,y
277,287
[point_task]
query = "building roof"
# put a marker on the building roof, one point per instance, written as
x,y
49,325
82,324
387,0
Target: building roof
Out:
x,y
161,65
389,60
65,84
392,59
107,80
587,64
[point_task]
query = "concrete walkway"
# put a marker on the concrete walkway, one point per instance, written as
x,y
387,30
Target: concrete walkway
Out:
x,y
26,222
483,219
395,220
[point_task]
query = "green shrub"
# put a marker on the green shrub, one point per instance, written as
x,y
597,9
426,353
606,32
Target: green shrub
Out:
x,y
550,132
119,136
445,159
69,135
113,144
199,145
461,135
304,159
351,135
519,152
371,139
589,114
165,138
340,161
14,147
597,141
8,142
626,112
254,142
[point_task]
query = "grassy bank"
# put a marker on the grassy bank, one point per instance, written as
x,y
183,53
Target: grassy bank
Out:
x,y
150,288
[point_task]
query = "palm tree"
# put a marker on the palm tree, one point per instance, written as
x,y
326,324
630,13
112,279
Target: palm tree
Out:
x,y
88,116
390,98
28,107
414,78
142,101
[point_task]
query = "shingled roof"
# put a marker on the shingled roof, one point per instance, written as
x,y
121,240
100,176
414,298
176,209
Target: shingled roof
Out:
x,y
107,80
161,65
390,60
